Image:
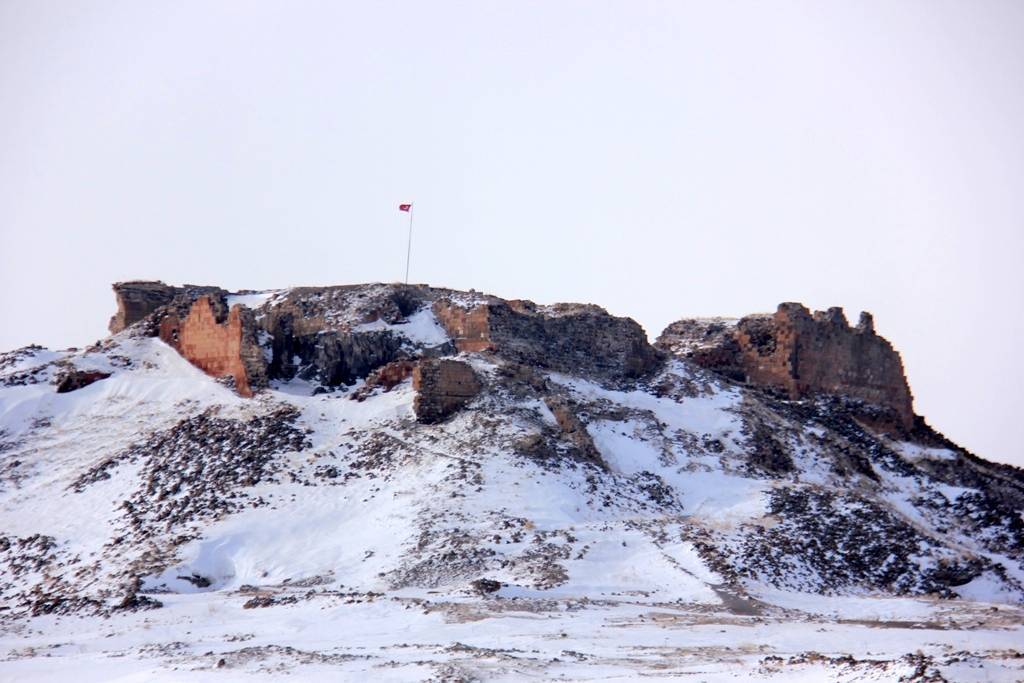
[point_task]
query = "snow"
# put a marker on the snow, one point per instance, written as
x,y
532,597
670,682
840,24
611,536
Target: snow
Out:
x,y
715,496
316,531
622,448
632,596
254,300
873,608
28,359
421,328
913,451
503,639
709,414
986,588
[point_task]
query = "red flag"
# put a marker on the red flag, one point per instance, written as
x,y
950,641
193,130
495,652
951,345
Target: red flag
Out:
x,y
405,207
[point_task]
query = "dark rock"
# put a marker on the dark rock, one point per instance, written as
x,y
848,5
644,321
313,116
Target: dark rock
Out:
x,y
73,379
485,586
386,377
443,386
573,338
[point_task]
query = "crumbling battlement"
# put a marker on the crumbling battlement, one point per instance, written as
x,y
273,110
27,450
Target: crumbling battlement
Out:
x,y
800,353
219,346
138,300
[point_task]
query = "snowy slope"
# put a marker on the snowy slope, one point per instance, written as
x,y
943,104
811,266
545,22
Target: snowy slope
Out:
x,y
157,526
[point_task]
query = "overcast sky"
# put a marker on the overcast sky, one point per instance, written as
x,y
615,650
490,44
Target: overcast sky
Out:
x,y
661,159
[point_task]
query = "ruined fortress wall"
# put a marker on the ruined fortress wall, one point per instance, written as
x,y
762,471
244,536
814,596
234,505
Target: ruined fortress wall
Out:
x,y
568,339
442,387
225,348
136,300
469,329
802,354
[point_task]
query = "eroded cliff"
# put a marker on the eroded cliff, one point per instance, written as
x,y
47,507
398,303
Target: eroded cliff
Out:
x,y
799,353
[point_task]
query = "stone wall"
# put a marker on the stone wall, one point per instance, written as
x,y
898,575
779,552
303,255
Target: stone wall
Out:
x,y
469,329
152,301
801,354
569,338
217,346
136,300
442,387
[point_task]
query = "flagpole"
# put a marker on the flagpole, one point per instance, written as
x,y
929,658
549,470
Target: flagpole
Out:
x,y
408,249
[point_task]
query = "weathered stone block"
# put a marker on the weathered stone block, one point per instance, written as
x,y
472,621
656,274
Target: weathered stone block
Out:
x,y
443,386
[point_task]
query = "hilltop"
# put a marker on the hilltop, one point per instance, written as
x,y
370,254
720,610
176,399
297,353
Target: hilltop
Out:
x,y
388,480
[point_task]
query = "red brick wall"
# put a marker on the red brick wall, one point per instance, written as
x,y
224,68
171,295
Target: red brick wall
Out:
x,y
470,330
213,347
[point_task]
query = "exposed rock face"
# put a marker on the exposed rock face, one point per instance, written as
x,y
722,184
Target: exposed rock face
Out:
x,y
564,337
331,358
74,379
443,387
573,428
799,353
136,300
315,331
151,301
333,336
219,347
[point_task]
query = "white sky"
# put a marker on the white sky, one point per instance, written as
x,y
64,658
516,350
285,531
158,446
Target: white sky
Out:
x,y
661,159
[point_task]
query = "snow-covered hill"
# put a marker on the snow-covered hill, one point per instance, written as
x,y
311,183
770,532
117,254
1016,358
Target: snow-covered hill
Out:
x,y
579,516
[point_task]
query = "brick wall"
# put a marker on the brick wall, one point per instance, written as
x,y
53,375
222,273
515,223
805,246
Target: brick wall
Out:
x,y
442,387
470,329
214,348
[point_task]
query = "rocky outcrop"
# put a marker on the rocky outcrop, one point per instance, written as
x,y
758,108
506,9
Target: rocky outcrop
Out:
x,y
332,336
74,379
386,377
573,429
443,386
315,332
572,338
136,300
801,354
220,345
331,358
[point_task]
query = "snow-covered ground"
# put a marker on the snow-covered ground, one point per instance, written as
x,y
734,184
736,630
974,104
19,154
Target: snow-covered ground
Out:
x,y
332,634
357,555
